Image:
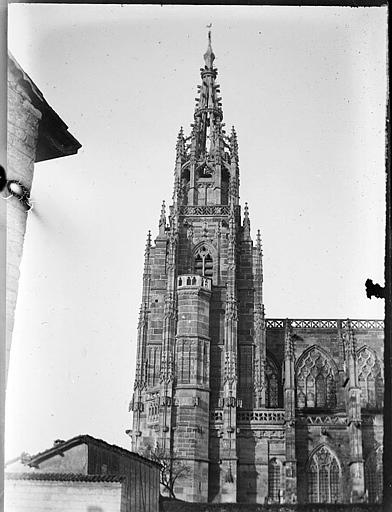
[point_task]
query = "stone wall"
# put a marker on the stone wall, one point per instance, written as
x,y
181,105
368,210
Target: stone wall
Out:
x,y
57,496
167,505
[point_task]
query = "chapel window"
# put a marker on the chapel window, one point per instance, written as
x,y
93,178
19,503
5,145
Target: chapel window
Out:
x,y
369,378
324,477
315,380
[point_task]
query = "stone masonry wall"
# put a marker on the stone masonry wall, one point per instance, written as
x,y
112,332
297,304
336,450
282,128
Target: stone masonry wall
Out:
x,y
36,496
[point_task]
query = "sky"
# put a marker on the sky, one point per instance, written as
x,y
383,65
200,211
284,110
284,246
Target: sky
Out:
x,y
305,88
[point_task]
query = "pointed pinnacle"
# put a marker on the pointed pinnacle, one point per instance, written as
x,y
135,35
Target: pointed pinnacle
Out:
x,y
148,241
258,239
246,210
209,56
246,223
162,219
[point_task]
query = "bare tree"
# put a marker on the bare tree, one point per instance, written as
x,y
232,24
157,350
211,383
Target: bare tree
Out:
x,y
172,468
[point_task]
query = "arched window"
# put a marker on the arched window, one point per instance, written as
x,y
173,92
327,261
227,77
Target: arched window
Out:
x,y
315,380
272,384
273,480
184,185
203,262
374,476
324,476
369,378
225,187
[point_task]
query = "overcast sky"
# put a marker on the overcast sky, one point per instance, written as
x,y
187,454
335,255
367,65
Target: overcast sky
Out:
x,y
305,89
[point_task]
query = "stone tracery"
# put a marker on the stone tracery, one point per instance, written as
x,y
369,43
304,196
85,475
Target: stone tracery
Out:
x,y
369,378
324,475
315,380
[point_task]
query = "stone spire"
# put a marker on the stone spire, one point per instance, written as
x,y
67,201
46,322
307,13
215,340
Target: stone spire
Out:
x,y
208,112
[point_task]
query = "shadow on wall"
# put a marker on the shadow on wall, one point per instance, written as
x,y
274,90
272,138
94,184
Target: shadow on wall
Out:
x,y
95,509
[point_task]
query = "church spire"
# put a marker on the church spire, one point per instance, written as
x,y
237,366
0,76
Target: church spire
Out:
x,y
208,112
207,160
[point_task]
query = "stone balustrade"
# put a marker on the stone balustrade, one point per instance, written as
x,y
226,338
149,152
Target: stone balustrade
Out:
x,y
193,280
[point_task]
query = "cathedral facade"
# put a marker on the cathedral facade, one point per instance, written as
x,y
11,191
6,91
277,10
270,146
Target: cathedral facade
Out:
x,y
260,410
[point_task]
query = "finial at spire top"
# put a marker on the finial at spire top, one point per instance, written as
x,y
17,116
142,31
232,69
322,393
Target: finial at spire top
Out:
x,y
209,56
148,241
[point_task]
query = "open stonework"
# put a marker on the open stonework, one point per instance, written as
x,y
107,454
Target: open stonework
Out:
x,y
260,410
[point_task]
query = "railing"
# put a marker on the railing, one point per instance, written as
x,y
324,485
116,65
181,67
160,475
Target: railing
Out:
x,y
264,416
280,323
205,210
363,324
196,280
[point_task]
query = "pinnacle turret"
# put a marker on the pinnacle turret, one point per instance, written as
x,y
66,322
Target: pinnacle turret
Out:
x,y
246,223
162,220
258,241
148,241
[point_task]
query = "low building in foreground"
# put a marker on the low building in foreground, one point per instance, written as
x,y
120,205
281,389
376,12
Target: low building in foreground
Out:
x,y
83,474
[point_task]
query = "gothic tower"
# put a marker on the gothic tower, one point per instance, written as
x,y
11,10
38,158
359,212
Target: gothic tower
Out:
x,y
258,410
202,281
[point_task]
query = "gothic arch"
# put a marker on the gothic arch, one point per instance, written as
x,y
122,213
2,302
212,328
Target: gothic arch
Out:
x,y
369,378
204,259
324,474
274,480
374,475
315,374
273,382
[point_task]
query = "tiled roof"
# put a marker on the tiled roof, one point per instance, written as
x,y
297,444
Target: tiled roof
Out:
x,y
63,477
86,439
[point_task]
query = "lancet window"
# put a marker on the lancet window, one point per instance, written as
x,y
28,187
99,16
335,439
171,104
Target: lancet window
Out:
x,y
369,378
203,262
184,357
185,179
272,384
324,474
245,376
374,476
315,380
273,480
153,365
